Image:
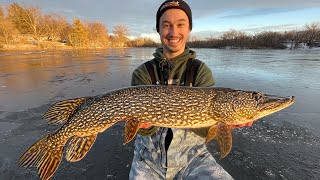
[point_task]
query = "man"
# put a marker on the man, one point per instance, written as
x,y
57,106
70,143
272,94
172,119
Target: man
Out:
x,y
165,153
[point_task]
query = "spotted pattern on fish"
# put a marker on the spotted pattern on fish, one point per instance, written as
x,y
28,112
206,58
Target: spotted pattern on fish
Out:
x,y
167,106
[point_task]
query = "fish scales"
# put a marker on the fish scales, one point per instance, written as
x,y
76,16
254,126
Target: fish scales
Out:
x,y
115,106
161,105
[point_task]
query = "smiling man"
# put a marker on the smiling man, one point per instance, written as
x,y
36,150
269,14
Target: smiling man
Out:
x,y
165,153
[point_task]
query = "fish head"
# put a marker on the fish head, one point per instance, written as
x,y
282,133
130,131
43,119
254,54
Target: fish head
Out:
x,y
237,107
268,104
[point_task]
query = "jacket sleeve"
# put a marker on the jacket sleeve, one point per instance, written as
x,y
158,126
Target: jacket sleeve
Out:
x,y
140,76
204,78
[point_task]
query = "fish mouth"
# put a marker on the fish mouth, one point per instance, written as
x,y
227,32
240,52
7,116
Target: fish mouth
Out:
x,y
271,103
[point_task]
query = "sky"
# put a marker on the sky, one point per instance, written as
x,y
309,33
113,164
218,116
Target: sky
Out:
x,y
210,17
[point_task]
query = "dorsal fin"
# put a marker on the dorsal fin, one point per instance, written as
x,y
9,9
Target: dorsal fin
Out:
x,y
61,111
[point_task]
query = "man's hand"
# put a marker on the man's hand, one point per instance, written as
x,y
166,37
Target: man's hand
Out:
x,y
142,125
241,125
145,126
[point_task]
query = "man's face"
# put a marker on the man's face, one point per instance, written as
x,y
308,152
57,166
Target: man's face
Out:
x,y
174,32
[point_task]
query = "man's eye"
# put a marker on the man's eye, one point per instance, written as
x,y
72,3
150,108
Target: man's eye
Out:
x,y
166,26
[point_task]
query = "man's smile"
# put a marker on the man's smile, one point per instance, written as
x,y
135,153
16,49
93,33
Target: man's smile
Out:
x,y
173,41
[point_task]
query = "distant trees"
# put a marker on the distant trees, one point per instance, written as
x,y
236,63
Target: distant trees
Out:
x,y
274,40
294,38
1,12
237,39
91,34
142,42
7,29
98,34
121,34
28,25
20,25
312,33
269,40
26,20
53,26
79,36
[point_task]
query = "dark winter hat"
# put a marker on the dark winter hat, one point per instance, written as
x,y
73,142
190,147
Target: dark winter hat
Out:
x,y
174,4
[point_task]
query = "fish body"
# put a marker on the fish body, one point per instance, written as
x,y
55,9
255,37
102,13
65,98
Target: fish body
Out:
x,y
165,106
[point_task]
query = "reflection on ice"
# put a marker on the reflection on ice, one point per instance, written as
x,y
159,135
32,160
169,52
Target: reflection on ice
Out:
x,y
6,127
282,146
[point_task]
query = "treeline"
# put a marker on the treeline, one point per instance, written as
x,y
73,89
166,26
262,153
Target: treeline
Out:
x,y
309,36
21,25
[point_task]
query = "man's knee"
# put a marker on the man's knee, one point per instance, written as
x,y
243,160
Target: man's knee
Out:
x,y
206,167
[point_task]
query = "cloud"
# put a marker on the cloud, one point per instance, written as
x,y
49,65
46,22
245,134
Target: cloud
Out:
x,y
281,27
256,12
203,8
288,4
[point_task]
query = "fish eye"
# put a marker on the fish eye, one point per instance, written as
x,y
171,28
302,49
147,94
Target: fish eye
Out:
x,y
257,95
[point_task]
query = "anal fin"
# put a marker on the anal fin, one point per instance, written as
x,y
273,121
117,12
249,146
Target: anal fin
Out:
x,y
78,147
222,133
131,129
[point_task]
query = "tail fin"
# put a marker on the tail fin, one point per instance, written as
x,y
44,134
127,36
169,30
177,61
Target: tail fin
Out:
x,y
44,156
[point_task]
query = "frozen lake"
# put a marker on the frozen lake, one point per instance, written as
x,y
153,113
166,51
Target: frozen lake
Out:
x,y
284,145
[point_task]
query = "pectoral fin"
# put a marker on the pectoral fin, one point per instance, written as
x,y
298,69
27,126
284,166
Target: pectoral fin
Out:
x,y
78,147
222,133
131,129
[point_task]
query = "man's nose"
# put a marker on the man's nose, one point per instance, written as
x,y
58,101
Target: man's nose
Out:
x,y
173,30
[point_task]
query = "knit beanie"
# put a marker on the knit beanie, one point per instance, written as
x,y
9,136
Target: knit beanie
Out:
x,y
174,4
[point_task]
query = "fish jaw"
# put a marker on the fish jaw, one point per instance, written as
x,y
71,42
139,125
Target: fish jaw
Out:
x,y
270,104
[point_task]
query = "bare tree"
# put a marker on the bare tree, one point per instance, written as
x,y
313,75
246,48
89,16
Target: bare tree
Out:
x,y
230,37
242,39
65,33
142,42
98,34
8,31
27,20
1,12
53,25
312,33
121,34
235,38
290,37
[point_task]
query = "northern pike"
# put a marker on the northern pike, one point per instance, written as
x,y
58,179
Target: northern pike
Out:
x,y
166,106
